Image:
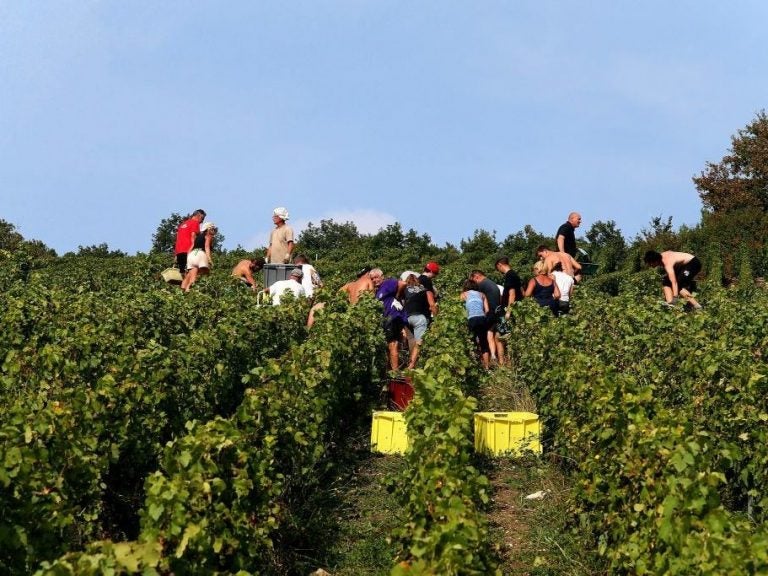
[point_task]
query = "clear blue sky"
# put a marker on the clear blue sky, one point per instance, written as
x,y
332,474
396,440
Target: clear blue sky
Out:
x,y
445,116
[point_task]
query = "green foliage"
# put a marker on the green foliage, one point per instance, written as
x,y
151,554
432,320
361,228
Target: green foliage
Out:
x,y
740,179
607,246
443,493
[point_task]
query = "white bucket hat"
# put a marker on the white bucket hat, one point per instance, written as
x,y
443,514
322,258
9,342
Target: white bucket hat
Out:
x,y
281,212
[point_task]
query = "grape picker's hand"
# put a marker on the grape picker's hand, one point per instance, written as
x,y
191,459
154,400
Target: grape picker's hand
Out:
x,y
397,305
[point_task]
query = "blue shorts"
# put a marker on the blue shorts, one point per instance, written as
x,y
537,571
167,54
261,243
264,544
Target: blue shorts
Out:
x,y
419,323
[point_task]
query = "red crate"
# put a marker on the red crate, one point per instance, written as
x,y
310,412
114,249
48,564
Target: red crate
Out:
x,y
400,392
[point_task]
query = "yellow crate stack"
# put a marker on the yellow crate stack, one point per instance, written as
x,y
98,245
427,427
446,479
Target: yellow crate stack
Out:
x,y
498,433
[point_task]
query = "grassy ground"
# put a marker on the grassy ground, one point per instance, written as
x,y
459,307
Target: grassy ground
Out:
x,y
343,528
532,533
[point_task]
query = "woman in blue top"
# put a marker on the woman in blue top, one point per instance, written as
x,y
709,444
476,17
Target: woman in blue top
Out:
x,y
477,318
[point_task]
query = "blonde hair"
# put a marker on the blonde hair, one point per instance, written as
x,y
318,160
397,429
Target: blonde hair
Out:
x,y
539,267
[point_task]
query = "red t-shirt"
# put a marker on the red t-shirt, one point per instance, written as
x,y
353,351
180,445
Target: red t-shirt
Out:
x,y
184,235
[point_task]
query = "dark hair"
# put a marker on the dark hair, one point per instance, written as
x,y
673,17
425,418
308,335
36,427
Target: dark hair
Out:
x,y
476,272
363,271
652,258
258,263
502,260
558,267
301,259
199,211
469,285
542,247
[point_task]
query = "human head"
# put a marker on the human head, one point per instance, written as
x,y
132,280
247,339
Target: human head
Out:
x,y
502,263
363,271
199,214
257,264
300,259
652,258
296,274
539,267
469,284
476,275
208,226
432,268
376,276
542,251
574,218
280,214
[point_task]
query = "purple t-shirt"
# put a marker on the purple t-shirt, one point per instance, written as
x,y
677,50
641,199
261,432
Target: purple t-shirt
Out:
x,y
386,293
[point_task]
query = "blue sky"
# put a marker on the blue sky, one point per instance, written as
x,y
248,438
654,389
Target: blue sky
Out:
x,y
445,116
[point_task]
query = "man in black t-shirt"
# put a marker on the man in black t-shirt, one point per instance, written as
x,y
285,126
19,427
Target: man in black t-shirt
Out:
x,y
431,269
513,287
495,311
566,234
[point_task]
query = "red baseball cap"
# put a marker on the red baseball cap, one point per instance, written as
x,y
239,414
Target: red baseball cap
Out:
x,y
433,267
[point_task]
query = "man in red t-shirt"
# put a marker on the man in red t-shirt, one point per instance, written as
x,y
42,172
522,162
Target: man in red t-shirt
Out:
x,y
185,237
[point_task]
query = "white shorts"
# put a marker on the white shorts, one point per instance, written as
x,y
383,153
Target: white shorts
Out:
x,y
197,259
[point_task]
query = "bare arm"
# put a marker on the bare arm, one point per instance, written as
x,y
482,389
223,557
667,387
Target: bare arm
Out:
x,y
486,309
561,243
669,268
529,289
431,302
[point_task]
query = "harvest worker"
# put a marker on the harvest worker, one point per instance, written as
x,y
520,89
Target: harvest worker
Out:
x,y
245,269
388,292
355,288
550,258
495,313
566,234
311,278
282,287
185,238
199,261
680,269
281,238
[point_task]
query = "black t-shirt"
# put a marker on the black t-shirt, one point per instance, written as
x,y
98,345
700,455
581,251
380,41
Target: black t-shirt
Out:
x,y
511,282
426,281
568,232
416,300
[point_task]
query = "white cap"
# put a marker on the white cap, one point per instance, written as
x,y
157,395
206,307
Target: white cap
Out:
x,y
207,225
280,212
404,275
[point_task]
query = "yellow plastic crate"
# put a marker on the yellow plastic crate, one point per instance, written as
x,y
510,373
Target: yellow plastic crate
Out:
x,y
498,433
388,433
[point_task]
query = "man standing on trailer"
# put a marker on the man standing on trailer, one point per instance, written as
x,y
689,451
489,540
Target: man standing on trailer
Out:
x,y
281,238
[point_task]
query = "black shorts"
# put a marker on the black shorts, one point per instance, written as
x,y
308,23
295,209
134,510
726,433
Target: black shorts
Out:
x,y
479,328
393,328
685,276
181,262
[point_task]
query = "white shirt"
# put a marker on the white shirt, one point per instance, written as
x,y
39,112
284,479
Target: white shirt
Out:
x,y
564,284
282,286
310,280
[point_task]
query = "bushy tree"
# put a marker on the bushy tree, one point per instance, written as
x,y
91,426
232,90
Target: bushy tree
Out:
x,y
13,241
607,246
164,238
482,245
740,179
328,236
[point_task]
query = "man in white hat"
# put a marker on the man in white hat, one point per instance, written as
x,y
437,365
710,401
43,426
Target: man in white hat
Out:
x,y
281,238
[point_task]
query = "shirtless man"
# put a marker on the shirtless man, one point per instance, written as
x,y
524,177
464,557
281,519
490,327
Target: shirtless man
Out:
x,y
550,258
680,270
245,269
357,287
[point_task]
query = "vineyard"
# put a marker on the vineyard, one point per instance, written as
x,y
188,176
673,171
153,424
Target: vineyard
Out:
x,y
147,431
